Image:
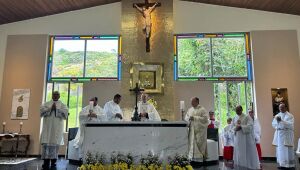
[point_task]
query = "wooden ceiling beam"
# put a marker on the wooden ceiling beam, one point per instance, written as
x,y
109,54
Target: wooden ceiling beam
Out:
x,y
280,6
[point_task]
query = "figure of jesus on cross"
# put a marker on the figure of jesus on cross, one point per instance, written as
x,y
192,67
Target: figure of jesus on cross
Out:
x,y
146,9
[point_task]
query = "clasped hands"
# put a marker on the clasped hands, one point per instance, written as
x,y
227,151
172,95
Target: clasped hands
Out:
x,y
278,118
118,115
53,107
144,115
238,126
191,118
91,114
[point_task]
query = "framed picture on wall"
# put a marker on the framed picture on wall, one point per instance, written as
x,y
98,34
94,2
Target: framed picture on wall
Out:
x,y
149,76
279,95
20,104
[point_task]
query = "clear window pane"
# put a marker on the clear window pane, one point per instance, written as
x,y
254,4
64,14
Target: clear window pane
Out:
x,y
75,104
229,57
233,98
221,103
49,92
102,58
241,96
68,58
249,95
194,57
228,95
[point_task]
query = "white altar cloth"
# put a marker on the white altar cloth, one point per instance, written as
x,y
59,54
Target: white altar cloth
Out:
x,y
138,138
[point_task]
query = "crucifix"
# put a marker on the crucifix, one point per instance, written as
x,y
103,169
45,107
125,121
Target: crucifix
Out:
x,y
146,9
136,90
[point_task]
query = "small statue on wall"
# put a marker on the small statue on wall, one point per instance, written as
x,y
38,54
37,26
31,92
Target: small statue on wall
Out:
x,y
146,9
279,95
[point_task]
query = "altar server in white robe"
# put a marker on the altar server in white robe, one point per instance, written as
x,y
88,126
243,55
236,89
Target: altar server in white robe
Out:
x,y
197,117
112,109
91,113
283,123
146,110
245,154
228,141
212,122
53,113
257,132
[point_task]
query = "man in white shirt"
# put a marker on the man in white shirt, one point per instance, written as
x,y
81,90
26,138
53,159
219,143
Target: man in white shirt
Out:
x,y
197,117
112,109
283,123
245,154
146,110
91,113
53,113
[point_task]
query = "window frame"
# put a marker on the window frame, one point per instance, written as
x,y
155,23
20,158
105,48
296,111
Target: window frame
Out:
x,y
84,78
248,57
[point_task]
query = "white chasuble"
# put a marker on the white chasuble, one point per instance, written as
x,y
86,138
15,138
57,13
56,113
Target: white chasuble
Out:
x,y
197,132
53,122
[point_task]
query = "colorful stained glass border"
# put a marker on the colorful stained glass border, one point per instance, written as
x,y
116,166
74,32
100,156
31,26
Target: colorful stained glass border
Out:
x,y
82,37
214,35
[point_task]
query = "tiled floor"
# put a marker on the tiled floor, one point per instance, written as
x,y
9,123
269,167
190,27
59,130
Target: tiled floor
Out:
x,y
64,165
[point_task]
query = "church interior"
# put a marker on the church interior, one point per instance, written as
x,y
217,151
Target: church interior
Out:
x,y
250,55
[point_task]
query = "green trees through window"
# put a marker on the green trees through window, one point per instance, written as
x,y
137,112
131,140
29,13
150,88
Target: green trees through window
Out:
x,y
227,95
212,57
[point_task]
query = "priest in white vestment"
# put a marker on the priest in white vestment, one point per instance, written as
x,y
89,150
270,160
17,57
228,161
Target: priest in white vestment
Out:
x,y
112,109
283,123
197,117
91,113
53,113
146,110
245,154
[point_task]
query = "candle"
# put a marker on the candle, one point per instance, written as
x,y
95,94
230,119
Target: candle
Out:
x,y
21,123
182,105
4,123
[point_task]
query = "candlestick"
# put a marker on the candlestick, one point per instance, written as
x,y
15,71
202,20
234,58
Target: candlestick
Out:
x,y
21,124
91,104
182,105
3,127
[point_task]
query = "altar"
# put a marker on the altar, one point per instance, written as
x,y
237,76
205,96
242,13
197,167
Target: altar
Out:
x,y
138,138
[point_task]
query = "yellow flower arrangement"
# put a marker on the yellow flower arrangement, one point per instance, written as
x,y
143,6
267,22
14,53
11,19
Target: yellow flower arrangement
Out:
x,y
150,167
177,167
121,161
179,162
120,166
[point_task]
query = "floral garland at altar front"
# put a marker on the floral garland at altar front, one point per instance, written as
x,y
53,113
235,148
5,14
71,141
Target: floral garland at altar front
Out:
x,y
179,162
121,161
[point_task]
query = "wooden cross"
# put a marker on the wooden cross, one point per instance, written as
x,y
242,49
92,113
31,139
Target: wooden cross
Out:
x,y
146,9
136,90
